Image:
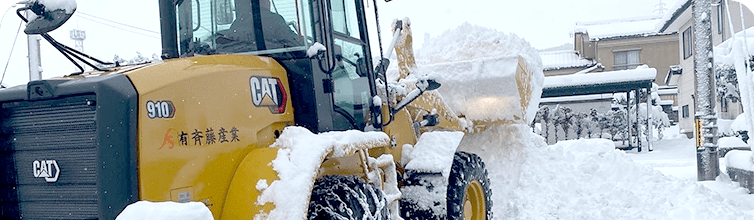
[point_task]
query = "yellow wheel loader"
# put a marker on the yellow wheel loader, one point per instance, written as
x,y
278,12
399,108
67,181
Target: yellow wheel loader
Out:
x,y
204,124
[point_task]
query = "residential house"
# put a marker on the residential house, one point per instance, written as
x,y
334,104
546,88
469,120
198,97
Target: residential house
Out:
x,y
628,43
680,20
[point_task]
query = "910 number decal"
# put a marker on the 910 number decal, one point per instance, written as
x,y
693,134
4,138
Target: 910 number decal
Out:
x,y
160,109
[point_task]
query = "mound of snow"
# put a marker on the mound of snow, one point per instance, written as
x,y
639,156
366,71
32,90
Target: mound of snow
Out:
x,y
731,142
298,159
166,210
739,124
740,159
588,179
504,149
471,42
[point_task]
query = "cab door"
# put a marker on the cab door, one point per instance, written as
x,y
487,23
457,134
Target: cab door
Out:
x,y
352,77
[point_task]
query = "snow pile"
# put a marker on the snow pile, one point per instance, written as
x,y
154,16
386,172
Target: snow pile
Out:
x,y
430,155
740,159
298,159
739,124
66,5
731,142
470,42
504,150
588,179
166,211
477,68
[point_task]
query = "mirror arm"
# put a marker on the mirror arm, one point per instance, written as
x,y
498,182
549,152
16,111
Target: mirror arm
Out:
x,y
62,51
413,95
66,51
421,87
18,12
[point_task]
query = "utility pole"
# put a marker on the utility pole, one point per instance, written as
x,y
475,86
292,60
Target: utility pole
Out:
x,y
706,150
35,58
78,36
661,8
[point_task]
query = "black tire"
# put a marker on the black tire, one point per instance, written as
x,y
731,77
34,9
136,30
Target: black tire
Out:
x,y
468,187
414,203
467,169
338,197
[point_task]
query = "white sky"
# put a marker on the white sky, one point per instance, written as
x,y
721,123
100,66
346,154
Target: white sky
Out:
x,y
544,23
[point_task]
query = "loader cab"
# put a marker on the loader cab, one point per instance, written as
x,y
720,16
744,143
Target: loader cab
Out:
x,y
330,91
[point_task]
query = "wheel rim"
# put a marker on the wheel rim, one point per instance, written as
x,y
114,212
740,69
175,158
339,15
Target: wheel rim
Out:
x,y
474,203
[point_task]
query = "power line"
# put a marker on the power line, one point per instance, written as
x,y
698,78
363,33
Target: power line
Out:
x,y
11,52
115,22
109,25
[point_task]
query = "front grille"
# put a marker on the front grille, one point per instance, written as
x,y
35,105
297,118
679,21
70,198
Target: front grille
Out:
x,y
61,130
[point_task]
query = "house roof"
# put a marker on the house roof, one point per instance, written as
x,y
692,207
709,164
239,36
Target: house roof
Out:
x,y
637,26
667,23
615,28
597,83
562,59
576,98
668,91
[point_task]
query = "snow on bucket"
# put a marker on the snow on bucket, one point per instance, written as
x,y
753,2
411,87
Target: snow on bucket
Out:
x,y
498,89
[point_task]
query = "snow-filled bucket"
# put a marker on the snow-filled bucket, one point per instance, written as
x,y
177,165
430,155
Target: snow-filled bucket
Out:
x,y
490,90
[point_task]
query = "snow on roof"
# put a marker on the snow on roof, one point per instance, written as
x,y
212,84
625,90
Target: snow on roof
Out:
x,y
673,13
563,59
577,98
667,91
638,74
666,102
645,25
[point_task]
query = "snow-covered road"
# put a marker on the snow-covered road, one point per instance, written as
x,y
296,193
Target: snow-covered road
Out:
x,y
677,158
589,179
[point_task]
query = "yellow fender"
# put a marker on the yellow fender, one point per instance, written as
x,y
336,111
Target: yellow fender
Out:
x,y
241,202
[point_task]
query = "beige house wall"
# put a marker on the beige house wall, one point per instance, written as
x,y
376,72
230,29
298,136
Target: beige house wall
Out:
x,y
686,86
655,51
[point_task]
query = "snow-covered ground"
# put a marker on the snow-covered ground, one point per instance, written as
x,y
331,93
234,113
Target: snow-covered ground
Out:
x,y
589,179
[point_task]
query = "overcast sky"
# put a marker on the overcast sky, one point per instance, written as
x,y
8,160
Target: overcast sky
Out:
x,y
544,23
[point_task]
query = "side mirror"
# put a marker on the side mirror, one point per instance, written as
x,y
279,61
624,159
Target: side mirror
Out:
x,y
50,16
427,85
432,85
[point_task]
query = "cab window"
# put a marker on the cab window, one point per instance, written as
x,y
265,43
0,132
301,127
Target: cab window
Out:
x,y
242,26
352,96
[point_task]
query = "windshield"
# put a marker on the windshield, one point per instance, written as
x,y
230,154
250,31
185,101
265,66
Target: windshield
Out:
x,y
242,26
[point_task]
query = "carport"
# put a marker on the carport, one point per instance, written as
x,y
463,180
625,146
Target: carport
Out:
x,y
637,80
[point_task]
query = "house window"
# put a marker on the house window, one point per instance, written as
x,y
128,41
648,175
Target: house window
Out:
x,y
627,59
685,111
688,44
720,18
